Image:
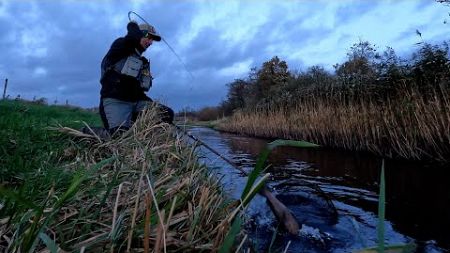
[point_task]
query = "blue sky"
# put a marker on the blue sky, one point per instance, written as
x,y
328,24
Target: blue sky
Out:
x,y
53,48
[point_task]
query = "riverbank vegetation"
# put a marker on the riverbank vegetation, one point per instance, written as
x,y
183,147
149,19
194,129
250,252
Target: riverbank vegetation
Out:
x,y
376,102
142,191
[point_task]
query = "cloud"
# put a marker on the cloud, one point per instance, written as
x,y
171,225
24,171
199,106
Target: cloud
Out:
x,y
39,72
237,69
54,48
350,12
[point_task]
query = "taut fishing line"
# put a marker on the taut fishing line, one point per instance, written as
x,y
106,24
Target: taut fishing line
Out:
x,y
171,49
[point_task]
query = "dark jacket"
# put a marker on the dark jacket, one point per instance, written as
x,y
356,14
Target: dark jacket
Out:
x,y
114,84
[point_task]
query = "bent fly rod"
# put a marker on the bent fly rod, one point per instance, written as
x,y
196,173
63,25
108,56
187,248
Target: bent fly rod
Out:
x,y
171,49
283,214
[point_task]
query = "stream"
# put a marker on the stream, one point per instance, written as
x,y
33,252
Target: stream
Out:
x,y
334,196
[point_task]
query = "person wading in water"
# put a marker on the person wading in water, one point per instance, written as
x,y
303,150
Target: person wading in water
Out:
x,y
125,77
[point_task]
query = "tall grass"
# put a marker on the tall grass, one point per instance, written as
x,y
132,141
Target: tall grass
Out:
x,y
27,149
411,126
142,191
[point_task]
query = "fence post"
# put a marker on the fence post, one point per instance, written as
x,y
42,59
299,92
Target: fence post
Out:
x,y
6,86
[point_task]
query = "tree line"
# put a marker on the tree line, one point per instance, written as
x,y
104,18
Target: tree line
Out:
x,y
365,75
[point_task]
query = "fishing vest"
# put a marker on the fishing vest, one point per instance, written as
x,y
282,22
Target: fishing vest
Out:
x,y
133,66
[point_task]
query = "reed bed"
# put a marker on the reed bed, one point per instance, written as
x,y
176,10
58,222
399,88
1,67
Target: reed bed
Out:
x,y
411,126
143,191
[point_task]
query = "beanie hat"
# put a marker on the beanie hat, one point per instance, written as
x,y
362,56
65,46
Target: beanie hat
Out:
x,y
150,31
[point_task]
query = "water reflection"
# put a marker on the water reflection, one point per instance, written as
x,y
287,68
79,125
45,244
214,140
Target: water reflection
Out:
x,y
418,195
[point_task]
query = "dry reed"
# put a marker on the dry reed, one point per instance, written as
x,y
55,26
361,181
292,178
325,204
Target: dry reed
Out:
x,y
152,196
412,126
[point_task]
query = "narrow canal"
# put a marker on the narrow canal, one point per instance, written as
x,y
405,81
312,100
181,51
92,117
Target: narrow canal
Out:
x,y
417,196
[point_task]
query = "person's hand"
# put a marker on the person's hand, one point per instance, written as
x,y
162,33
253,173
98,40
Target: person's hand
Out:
x,y
146,65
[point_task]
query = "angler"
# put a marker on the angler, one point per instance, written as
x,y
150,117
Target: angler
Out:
x,y
125,77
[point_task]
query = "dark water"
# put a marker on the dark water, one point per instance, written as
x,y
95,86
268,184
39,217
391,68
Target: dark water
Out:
x,y
417,196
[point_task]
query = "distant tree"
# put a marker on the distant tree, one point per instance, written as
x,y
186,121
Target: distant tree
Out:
x,y
237,91
272,76
186,112
225,108
305,83
209,113
268,81
253,75
319,76
390,68
431,65
41,101
359,67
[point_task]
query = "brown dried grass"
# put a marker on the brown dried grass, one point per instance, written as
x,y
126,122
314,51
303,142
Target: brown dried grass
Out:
x,y
154,196
412,126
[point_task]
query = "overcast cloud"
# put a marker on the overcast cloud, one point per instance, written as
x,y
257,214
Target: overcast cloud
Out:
x,y
53,49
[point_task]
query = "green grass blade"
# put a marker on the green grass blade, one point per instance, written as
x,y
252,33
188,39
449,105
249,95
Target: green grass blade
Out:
x,y
78,179
51,245
263,157
292,143
250,189
256,171
274,236
231,236
197,213
254,190
17,198
381,210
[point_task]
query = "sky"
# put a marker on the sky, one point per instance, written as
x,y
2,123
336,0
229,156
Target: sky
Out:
x,y
53,49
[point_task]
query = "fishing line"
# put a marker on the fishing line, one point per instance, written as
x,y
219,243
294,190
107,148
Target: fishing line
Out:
x,y
319,192
171,49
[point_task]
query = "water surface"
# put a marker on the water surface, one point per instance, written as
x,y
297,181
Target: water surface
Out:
x,y
418,196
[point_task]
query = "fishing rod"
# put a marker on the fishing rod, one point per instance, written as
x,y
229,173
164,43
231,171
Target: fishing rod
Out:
x,y
171,49
212,150
283,214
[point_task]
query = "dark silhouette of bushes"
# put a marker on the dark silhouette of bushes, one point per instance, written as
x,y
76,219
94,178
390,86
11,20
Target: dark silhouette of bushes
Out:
x,y
366,75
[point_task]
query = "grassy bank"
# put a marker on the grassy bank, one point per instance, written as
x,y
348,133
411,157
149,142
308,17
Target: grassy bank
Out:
x,y
142,191
411,126
26,147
